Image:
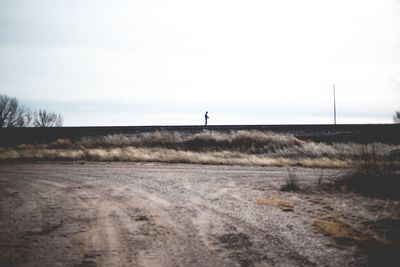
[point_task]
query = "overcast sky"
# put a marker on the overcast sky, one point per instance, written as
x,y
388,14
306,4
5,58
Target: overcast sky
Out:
x,y
121,62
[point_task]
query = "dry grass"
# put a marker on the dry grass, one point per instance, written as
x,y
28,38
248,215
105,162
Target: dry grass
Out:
x,y
341,151
253,148
251,142
40,153
280,203
380,250
338,229
148,155
374,174
318,181
292,181
255,142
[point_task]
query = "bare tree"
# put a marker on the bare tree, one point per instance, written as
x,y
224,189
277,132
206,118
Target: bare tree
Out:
x,y
28,117
44,118
12,114
396,117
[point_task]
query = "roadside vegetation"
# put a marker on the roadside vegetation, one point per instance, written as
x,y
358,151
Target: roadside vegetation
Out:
x,y
252,148
374,174
292,183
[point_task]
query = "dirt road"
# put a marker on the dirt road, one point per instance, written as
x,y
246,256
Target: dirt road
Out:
x,y
131,214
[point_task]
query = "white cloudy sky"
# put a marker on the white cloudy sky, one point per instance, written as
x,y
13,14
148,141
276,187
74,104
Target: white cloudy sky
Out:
x,y
144,62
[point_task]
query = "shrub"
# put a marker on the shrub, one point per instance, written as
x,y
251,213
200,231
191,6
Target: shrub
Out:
x,y
373,175
292,183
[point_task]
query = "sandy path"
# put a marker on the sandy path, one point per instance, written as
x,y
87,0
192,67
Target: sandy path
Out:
x,y
128,214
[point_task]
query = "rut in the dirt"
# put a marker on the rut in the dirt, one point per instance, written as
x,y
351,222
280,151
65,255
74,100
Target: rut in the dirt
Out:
x,y
127,214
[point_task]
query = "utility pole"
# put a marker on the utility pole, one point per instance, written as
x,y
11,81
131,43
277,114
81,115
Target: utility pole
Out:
x,y
334,104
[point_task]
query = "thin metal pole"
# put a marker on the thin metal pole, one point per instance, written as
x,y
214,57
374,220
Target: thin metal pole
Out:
x,y
334,103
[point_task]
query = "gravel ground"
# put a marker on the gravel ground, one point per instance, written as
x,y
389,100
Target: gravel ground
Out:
x,y
131,214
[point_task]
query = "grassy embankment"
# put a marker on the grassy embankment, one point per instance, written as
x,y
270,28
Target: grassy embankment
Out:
x,y
253,148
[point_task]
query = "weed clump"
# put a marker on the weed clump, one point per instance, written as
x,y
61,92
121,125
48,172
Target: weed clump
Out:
x,y
292,182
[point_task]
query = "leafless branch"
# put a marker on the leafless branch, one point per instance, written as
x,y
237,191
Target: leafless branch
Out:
x,y
12,114
44,118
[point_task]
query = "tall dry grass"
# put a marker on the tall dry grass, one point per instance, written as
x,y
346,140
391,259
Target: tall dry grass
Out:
x,y
243,141
347,151
254,148
162,155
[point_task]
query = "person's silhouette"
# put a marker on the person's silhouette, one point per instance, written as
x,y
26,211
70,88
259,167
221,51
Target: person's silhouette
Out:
x,y
206,117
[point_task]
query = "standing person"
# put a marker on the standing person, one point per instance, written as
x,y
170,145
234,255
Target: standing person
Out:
x,y
206,117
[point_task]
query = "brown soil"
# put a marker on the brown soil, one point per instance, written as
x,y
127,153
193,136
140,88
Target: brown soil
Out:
x,y
131,214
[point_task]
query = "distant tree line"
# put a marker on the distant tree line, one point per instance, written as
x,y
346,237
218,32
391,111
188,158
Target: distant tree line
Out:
x,y
13,114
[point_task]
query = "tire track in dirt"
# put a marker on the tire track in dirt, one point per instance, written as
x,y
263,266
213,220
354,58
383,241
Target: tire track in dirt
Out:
x,y
125,214
96,229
